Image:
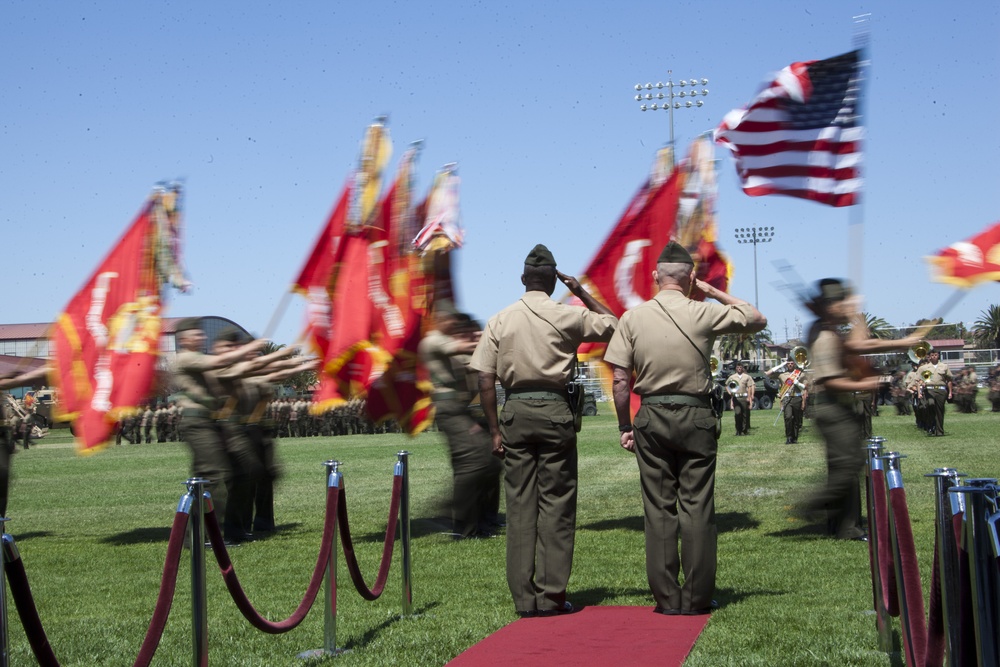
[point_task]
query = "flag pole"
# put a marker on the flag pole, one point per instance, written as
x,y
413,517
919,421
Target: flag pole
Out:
x,y
278,314
856,218
949,303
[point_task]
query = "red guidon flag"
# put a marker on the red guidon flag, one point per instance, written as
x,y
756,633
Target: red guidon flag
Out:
x,y
107,340
314,278
402,391
970,262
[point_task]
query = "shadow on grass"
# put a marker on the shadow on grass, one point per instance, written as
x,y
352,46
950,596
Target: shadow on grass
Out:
x,y
373,633
21,537
162,534
725,522
808,531
589,597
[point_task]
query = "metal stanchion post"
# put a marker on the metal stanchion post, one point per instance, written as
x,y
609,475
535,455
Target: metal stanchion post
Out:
x,y
333,481
8,545
403,469
946,506
982,568
193,502
883,622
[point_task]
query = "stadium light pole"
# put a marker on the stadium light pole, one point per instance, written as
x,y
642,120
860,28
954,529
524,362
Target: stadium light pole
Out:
x,y
668,100
755,235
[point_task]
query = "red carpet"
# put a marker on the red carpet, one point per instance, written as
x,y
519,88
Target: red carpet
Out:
x,y
613,635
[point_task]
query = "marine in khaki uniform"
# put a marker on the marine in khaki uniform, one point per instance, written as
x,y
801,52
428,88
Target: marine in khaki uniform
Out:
x,y
202,399
475,471
666,342
740,387
531,347
793,402
833,389
937,390
7,436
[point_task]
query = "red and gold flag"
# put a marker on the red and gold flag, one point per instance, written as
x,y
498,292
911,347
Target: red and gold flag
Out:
x,y
107,340
970,262
314,278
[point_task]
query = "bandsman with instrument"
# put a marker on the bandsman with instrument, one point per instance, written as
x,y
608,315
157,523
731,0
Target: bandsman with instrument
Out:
x,y
740,387
793,394
938,386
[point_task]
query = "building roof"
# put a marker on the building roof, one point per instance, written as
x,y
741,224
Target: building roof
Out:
x,y
24,331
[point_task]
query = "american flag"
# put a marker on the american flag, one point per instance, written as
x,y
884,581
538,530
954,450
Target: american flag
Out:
x,y
801,135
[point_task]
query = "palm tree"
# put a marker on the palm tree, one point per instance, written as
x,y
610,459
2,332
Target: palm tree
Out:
x,y
986,330
877,326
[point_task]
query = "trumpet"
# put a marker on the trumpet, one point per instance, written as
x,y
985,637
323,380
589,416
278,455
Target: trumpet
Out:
x,y
926,374
919,351
733,385
713,365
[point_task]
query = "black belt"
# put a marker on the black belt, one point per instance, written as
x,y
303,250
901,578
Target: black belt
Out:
x,y
535,395
678,399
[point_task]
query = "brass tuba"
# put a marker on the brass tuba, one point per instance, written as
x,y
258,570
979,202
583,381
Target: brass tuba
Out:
x,y
919,351
800,355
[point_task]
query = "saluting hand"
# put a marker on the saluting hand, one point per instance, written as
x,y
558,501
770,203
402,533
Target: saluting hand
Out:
x,y
572,284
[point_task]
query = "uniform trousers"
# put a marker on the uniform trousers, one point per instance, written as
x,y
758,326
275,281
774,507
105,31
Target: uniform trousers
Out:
x,y
246,469
676,449
262,511
203,436
936,398
863,408
6,451
475,471
793,417
540,481
845,457
741,409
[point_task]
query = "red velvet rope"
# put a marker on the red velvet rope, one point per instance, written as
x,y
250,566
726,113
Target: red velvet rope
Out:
x,y
165,597
390,532
915,636
886,568
934,653
239,595
25,603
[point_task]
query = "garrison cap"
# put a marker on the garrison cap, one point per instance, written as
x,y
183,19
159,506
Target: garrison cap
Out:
x,y
832,289
187,324
540,256
230,334
674,253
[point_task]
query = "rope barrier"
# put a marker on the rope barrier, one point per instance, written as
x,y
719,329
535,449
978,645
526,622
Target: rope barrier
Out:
x,y
239,595
25,603
914,630
165,597
352,563
887,572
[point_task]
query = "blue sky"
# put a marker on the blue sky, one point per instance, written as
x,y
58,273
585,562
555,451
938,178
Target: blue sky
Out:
x,y
260,107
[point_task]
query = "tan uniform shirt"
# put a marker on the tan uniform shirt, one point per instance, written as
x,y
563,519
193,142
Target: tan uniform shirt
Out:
x,y
797,388
192,376
828,359
537,350
744,383
665,362
436,351
940,375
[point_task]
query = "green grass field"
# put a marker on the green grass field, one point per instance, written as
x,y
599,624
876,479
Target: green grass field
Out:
x,y
92,532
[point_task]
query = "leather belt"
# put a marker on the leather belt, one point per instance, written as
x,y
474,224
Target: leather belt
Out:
x,y
536,395
677,399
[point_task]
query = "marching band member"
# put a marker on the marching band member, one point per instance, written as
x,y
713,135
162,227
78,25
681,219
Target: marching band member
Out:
x,y
740,387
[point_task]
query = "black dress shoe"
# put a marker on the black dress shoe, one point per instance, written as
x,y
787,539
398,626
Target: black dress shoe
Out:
x,y
529,613
701,612
788,441
566,608
666,612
